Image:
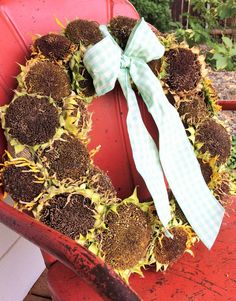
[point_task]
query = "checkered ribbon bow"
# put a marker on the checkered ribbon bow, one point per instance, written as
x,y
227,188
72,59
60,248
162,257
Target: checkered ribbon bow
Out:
x,y
106,63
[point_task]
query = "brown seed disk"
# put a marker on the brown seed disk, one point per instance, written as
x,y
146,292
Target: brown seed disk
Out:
x,y
169,250
99,181
67,159
194,110
32,120
86,85
49,79
70,214
126,241
215,139
121,28
54,46
83,31
19,182
184,70
206,171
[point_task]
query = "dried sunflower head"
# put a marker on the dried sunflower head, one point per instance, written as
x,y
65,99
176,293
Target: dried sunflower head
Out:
x,y
77,118
213,138
46,78
67,159
125,241
24,180
83,32
73,211
165,250
54,47
182,70
30,120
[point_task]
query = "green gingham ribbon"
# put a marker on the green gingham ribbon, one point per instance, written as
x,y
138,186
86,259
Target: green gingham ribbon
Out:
x,y
106,63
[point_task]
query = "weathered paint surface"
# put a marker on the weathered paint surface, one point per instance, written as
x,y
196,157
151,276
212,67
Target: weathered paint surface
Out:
x,y
209,276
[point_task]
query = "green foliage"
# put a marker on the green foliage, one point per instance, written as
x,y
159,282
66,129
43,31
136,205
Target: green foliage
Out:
x,y
156,12
200,26
227,9
207,11
196,35
209,15
232,161
224,55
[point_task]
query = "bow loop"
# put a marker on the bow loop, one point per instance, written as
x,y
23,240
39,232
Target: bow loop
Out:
x,y
143,43
104,75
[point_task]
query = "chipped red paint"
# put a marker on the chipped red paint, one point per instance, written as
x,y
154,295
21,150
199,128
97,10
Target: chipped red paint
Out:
x,y
208,276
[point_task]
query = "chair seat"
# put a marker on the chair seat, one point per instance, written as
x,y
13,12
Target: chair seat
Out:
x,y
209,275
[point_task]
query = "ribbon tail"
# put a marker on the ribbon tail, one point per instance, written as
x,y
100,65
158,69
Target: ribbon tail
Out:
x,y
145,152
178,160
200,207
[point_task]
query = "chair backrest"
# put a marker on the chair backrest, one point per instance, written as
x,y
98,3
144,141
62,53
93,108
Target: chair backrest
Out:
x,y
19,22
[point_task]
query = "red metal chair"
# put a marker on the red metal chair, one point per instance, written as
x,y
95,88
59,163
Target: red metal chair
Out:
x,y
74,274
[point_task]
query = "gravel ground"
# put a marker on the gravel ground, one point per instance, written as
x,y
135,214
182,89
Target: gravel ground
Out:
x,y
225,84
229,117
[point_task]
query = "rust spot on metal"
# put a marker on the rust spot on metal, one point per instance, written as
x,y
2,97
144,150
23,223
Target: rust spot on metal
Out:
x,y
113,289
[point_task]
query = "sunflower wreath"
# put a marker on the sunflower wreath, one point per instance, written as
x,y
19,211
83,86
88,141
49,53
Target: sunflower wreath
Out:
x,y
49,172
